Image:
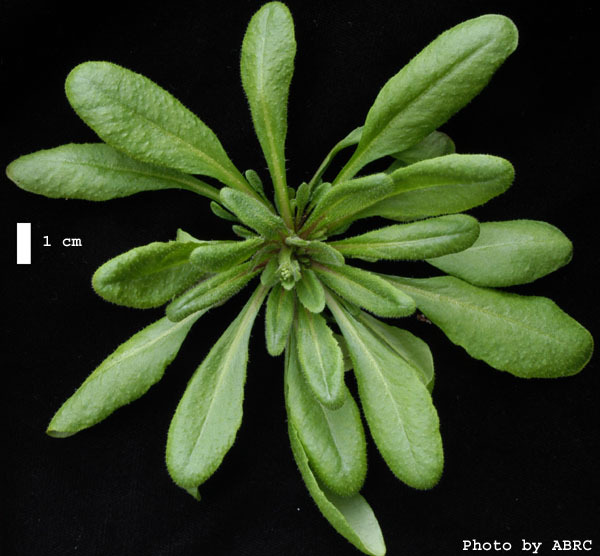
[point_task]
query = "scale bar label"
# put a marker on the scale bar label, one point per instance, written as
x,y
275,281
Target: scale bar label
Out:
x,y
23,242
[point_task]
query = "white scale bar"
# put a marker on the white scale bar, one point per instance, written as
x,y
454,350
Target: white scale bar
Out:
x,y
23,242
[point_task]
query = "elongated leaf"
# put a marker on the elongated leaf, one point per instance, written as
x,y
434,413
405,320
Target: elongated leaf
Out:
x,y
445,234
278,319
433,145
253,213
184,237
267,65
396,403
324,253
350,516
219,211
365,289
133,114
123,377
210,412
216,256
215,290
434,85
147,276
96,172
334,440
346,200
310,291
509,253
524,335
320,358
405,344
443,185
351,139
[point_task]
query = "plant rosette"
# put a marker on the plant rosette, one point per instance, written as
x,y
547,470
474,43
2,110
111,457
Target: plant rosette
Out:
x,y
298,256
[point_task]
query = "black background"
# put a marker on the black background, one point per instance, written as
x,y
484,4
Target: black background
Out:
x,y
521,455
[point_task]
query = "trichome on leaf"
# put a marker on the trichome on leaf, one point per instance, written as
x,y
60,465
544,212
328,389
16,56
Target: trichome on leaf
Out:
x,y
321,309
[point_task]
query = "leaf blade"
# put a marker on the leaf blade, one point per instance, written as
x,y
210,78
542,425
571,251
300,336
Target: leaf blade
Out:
x,y
526,336
123,377
509,253
279,317
209,414
131,113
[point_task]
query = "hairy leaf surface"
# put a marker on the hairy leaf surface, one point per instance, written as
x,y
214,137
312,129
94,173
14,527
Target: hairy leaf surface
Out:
x,y
267,65
414,241
135,115
525,335
367,290
122,377
443,185
212,291
310,291
433,145
350,516
334,440
278,319
147,276
509,253
434,85
210,412
397,405
320,358
96,172
216,256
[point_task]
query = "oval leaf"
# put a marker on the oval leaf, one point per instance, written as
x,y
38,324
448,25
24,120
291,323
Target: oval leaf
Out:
x,y
278,319
147,276
123,377
135,115
433,145
210,412
96,172
320,358
414,241
509,253
310,291
350,516
397,405
216,256
524,335
215,290
443,185
334,440
367,290
434,85
267,65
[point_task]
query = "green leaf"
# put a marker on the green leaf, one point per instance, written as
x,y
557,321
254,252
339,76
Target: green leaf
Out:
x,y
278,319
414,241
509,253
184,237
219,211
367,290
320,358
351,139
96,172
310,291
122,377
210,412
347,200
216,256
267,65
404,344
524,335
255,182
396,403
334,440
136,116
434,85
269,275
350,516
212,291
324,253
147,276
253,213
433,145
443,185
